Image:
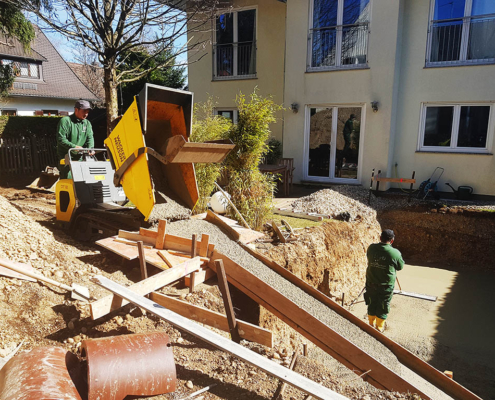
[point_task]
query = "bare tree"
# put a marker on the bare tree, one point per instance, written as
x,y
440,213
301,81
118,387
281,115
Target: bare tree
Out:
x,y
113,29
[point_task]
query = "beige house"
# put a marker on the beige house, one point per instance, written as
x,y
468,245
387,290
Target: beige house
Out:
x,y
396,85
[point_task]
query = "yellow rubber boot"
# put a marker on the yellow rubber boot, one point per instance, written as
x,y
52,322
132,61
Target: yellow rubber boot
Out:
x,y
372,319
380,324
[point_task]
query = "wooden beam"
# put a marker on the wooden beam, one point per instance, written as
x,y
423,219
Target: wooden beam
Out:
x,y
307,325
218,341
202,275
160,236
148,233
247,331
281,387
131,243
407,358
110,303
142,261
279,233
136,237
227,301
396,180
216,220
203,248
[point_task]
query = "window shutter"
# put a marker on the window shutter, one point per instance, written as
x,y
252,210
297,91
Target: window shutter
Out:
x,y
38,112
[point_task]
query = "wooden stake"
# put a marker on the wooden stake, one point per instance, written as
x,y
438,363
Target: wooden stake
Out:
x,y
194,250
142,261
203,247
224,289
305,349
162,231
193,282
281,387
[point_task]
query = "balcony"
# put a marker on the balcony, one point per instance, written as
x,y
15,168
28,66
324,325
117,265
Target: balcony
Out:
x,y
466,41
234,61
339,47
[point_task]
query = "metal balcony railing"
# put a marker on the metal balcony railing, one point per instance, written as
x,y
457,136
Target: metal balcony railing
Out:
x,y
344,46
234,60
470,40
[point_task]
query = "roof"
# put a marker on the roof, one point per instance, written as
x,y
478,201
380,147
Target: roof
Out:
x,y
59,81
10,47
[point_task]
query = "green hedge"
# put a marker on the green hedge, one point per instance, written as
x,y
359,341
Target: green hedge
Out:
x,y
11,127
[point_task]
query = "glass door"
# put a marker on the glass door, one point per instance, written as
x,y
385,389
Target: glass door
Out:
x,y
333,143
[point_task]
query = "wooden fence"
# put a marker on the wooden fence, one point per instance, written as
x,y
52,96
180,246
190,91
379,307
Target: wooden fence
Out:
x,y
27,155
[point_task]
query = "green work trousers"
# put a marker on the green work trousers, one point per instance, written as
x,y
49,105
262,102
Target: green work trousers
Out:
x,y
378,301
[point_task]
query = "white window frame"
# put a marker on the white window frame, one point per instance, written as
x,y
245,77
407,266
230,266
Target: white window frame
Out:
x,y
463,61
455,130
235,75
338,53
235,110
333,143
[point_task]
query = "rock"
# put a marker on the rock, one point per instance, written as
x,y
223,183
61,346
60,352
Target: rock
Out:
x,y
70,340
183,296
276,356
189,385
70,325
59,274
33,256
84,330
180,340
252,373
119,320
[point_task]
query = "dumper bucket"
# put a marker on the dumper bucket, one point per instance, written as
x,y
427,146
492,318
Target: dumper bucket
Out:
x,y
46,181
151,150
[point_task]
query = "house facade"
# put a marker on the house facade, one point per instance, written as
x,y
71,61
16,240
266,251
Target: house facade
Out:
x,y
44,84
395,85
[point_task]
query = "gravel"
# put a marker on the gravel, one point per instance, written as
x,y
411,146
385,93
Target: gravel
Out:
x,y
342,326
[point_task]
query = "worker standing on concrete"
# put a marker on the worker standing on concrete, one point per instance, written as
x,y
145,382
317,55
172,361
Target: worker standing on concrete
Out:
x,y
383,263
74,131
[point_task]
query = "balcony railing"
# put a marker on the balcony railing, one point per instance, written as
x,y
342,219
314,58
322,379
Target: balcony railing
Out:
x,y
234,61
470,40
343,46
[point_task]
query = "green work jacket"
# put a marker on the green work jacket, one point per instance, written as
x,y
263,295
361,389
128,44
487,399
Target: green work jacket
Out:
x,y
383,263
72,132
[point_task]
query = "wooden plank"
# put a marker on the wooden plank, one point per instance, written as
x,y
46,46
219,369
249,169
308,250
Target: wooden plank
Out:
x,y
247,331
227,301
218,341
13,274
131,243
162,231
192,284
407,358
279,233
396,180
136,237
148,233
170,259
179,243
142,261
298,215
110,303
211,247
186,255
216,220
203,248
202,275
320,334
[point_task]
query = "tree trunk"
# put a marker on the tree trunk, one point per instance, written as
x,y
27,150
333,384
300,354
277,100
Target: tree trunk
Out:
x,y
111,99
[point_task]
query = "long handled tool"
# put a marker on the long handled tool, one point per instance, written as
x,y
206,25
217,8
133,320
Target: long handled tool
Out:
x,y
78,292
416,295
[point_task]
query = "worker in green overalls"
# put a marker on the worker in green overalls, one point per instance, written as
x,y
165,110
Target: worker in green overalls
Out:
x,y
383,263
74,131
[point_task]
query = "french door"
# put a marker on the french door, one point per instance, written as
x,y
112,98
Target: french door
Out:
x,y
332,147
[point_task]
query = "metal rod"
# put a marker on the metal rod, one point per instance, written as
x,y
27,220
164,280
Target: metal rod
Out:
x,y
232,204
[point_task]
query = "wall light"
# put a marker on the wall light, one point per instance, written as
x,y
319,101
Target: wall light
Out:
x,y
294,107
374,106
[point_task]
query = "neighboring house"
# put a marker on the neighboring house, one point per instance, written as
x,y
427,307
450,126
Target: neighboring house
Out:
x,y
92,76
44,83
426,65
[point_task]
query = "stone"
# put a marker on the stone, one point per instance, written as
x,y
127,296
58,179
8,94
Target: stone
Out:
x,y
59,274
119,320
70,325
276,356
70,340
84,330
189,385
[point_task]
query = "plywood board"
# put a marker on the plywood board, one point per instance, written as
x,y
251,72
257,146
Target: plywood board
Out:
x,y
233,229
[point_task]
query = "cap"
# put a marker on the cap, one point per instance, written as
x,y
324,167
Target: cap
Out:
x,y
387,235
83,104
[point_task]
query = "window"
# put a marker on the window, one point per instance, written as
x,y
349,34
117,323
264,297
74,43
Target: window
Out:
x,y
339,34
231,114
9,112
461,32
49,113
456,128
234,53
23,69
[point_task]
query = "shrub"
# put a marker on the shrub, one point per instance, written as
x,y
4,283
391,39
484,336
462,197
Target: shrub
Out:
x,y
274,151
207,126
251,191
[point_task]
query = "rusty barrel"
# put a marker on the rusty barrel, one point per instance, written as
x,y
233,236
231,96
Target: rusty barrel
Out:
x,y
138,365
41,374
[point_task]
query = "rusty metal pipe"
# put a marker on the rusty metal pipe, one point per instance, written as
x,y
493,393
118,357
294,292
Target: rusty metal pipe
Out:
x,y
138,365
41,374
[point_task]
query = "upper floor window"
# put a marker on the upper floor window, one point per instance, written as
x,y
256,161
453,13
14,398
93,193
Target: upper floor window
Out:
x,y
23,69
234,54
338,36
461,32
